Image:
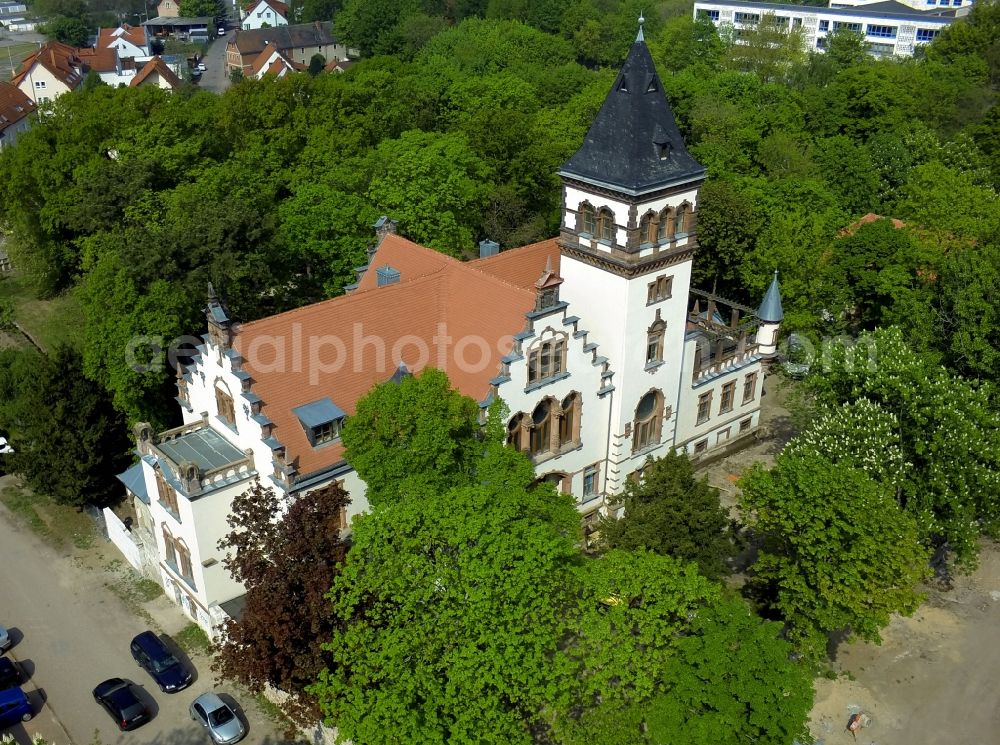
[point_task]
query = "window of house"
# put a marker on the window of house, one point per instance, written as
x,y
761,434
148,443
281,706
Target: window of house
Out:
x,y
648,228
168,497
824,25
796,22
515,432
168,547
747,18
569,422
224,405
712,15
39,84
327,432
723,435
546,360
648,421
590,480
659,289
701,447
588,220
184,563
746,424
541,428
654,341
881,32
606,225
728,395
683,219
665,225
704,407
749,387
926,34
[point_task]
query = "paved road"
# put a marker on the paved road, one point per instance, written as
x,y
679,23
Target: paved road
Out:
x,y
216,77
70,634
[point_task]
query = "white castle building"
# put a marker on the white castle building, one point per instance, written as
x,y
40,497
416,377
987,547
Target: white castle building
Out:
x,y
595,341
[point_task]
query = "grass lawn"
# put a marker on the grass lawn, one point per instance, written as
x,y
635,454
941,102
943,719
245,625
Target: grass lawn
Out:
x,y
49,322
57,524
13,53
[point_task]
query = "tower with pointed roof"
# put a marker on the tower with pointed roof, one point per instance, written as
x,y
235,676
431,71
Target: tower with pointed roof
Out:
x,y
770,315
627,239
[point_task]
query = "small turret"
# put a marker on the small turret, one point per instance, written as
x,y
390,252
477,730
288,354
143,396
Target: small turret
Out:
x,y
770,314
219,323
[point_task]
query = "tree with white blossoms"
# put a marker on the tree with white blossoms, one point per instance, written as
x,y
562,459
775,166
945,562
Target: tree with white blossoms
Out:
x,y
948,433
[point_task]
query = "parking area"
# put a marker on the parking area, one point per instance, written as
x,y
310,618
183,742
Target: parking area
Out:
x,y
71,632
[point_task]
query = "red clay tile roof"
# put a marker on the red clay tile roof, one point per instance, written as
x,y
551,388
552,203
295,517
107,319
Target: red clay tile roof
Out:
x,y
160,67
104,60
62,60
134,34
444,313
273,68
14,105
280,8
870,218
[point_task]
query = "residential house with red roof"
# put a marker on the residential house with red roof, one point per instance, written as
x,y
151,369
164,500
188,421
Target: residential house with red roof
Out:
x,y
48,72
272,61
264,14
127,41
297,43
15,113
594,339
156,73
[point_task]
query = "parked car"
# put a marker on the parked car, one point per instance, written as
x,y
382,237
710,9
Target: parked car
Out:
x,y
5,640
201,67
222,30
10,674
14,707
5,447
156,659
120,701
215,715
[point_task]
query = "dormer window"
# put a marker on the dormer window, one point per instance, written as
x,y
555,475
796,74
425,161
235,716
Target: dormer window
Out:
x,y
321,421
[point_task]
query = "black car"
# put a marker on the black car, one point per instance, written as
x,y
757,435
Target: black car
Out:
x,y
10,674
121,702
156,659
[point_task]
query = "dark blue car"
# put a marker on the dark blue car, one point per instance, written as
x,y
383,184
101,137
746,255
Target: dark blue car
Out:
x,y
156,659
14,708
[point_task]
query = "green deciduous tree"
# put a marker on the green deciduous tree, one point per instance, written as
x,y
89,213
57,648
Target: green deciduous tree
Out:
x,y
673,513
287,556
70,442
454,609
949,435
838,554
418,435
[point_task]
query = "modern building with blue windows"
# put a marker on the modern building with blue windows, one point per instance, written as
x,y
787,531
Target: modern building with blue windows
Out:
x,y
890,27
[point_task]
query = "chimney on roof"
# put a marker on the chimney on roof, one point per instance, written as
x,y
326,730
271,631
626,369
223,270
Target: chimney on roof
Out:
x,y
383,226
488,248
386,275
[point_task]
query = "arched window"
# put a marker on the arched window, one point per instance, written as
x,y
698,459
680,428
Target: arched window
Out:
x,y
683,215
569,422
516,431
224,404
654,340
648,228
648,421
541,428
665,225
606,225
588,219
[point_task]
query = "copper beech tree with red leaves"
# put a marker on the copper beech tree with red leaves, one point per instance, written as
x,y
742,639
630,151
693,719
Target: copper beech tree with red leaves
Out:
x,y
286,554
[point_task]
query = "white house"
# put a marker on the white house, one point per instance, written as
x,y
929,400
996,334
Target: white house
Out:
x,y
890,28
48,72
127,41
272,61
156,73
15,113
594,339
264,14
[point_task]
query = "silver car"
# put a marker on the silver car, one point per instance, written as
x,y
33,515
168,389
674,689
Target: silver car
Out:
x,y
215,715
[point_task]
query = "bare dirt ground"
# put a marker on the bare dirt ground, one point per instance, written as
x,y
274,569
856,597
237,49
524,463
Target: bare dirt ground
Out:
x,y
933,680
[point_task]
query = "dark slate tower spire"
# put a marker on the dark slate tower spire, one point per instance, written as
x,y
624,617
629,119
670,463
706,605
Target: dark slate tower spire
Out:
x,y
634,145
